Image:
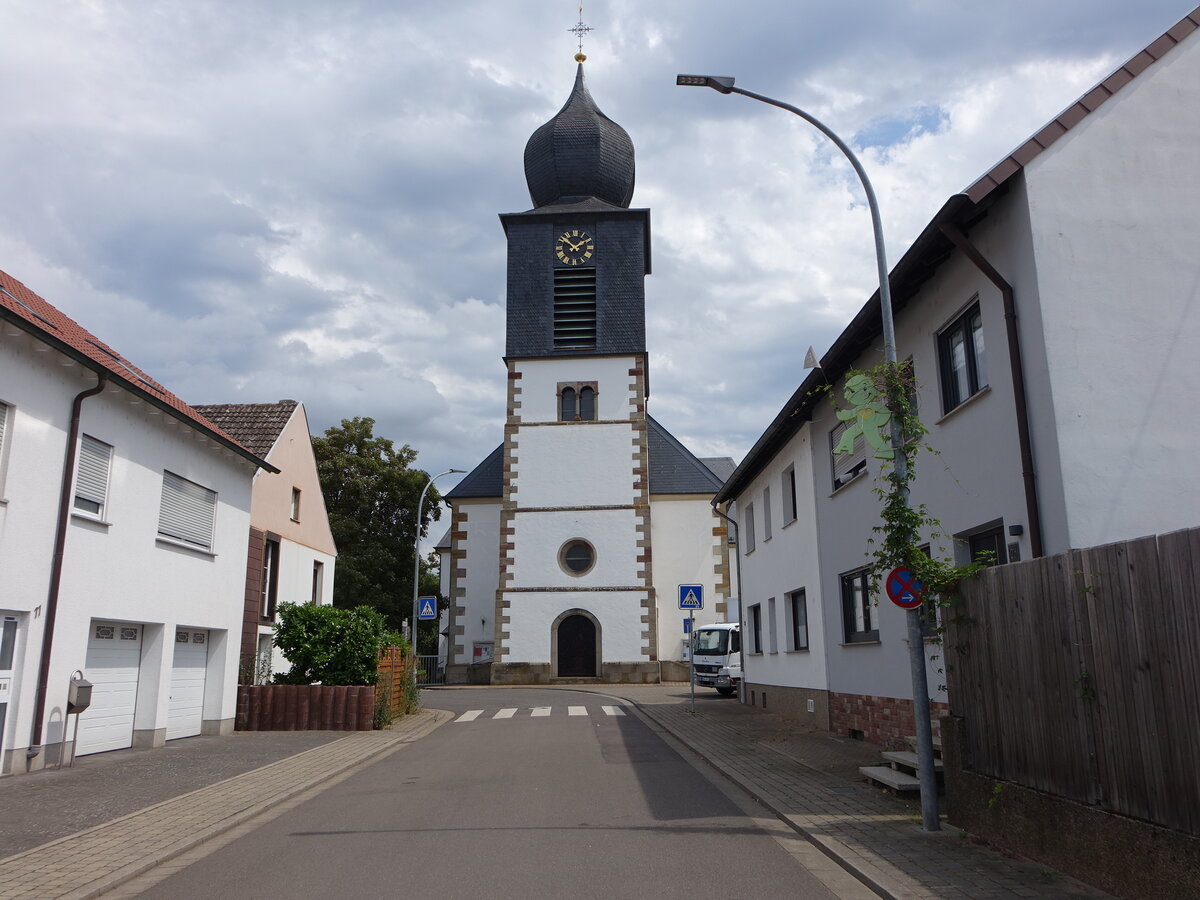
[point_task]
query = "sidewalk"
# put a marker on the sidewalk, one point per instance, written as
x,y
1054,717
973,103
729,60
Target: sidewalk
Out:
x,y
811,781
89,863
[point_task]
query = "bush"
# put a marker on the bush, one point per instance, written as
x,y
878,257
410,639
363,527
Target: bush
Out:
x,y
330,645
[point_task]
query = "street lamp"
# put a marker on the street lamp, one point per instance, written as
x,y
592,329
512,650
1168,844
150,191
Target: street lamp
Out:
x,y
916,644
417,560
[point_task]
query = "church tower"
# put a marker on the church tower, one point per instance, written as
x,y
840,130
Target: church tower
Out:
x,y
575,592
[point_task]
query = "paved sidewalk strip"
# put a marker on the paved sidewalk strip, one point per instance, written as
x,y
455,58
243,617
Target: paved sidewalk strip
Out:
x,y
870,832
93,861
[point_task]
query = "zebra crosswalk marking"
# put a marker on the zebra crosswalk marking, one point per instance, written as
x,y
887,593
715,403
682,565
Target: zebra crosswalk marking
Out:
x,y
613,710
506,713
577,711
540,711
470,715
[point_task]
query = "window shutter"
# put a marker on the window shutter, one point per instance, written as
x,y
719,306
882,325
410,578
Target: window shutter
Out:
x,y
91,474
843,463
187,511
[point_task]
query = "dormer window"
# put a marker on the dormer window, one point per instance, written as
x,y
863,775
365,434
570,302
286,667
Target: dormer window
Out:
x,y
577,401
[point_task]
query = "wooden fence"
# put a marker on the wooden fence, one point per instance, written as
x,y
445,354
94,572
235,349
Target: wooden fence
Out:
x,y
305,707
1079,675
394,671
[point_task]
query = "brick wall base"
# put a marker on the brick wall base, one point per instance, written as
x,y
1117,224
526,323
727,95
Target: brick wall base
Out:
x,y
791,702
543,673
886,721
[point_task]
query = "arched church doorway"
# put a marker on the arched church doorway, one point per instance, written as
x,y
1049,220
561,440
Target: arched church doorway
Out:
x,y
576,647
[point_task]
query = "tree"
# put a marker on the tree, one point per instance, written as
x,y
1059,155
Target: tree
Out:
x,y
371,495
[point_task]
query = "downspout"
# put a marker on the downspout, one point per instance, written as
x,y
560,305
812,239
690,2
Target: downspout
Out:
x,y
1032,508
737,568
56,567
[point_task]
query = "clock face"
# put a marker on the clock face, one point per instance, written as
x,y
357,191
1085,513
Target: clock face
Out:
x,y
574,247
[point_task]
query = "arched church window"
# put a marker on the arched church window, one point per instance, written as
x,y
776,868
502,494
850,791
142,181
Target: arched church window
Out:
x,y
577,557
577,401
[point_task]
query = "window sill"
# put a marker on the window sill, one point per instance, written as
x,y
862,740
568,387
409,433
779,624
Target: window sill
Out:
x,y
799,650
986,389
857,477
183,545
789,523
91,520
875,643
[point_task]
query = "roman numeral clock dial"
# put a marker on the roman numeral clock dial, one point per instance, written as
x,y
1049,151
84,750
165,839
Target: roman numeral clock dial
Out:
x,y
574,247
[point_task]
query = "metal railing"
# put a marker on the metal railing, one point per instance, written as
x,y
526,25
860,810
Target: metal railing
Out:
x,y
429,672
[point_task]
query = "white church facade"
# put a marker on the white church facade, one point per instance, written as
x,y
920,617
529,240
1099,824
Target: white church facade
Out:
x,y
569,542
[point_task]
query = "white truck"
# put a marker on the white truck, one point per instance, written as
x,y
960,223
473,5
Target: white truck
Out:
x,y
717,657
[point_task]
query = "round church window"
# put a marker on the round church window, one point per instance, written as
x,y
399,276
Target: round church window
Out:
x,y
577,557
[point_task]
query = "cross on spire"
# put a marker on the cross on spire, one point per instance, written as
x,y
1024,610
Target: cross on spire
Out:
x,y
579,30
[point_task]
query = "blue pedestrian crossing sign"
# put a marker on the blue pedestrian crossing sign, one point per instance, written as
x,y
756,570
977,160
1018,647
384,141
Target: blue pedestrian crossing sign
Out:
x,y
427,608
691,596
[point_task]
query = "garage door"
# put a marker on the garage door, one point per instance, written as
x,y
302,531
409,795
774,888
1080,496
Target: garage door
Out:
x,y
185,709
113,655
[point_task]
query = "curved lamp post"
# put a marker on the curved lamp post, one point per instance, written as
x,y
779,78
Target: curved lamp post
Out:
x,y
417,560
916,643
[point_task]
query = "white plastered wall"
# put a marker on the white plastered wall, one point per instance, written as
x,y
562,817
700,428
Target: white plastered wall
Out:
x,y
540,380
685,552
539,536
532,615
481,578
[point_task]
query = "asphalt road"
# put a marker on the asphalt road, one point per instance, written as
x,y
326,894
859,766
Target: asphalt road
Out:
x,y
573,801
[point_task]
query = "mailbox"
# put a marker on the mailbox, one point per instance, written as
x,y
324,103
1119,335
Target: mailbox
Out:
x,y
79,696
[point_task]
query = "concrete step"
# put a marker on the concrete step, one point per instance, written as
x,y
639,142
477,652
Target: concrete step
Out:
x,y
937,744
906,759
890,778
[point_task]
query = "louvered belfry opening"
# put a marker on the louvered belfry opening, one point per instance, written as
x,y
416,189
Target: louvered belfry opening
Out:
x,y
575,309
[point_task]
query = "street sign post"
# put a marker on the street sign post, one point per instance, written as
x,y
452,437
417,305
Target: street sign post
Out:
x,y
427,608
691,596
904,589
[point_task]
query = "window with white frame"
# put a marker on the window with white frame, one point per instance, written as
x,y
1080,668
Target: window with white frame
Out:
x,y
858,608
269,584
295,504
772,630
91,477
318,582
846,466
766,504
797,620
755,642
789,494
748,529
961,359
187,512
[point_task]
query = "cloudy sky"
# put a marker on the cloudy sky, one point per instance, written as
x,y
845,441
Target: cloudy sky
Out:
x,y
298,198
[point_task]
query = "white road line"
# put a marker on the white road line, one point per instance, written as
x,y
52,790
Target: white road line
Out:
x,y
577,710
613,710
470,715
540,711
505,713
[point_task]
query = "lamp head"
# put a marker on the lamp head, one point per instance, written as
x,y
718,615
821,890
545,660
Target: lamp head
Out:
x,y
722,83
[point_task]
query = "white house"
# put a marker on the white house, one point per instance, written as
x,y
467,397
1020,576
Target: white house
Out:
x,y
123,523
570,541
1050,311
291,556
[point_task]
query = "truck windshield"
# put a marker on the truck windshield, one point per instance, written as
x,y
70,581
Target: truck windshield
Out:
x,y
712,642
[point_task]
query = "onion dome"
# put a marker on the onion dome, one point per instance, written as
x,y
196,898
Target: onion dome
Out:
x,y
580,153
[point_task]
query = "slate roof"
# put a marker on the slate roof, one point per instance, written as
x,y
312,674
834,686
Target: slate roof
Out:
x,y
721,466
485,480
673,470
580,153
933,247
256,425
35,315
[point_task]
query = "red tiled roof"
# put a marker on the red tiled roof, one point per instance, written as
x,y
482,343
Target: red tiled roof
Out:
x,y
1081,108
34,314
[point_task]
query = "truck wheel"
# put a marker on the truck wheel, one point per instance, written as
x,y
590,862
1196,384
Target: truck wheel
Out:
x,y
727,691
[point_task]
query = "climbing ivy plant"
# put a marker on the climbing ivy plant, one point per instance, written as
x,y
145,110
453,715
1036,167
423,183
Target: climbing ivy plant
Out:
x,y
881,394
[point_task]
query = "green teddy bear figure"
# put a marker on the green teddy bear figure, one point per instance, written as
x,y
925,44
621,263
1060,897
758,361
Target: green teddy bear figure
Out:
x,y
867,416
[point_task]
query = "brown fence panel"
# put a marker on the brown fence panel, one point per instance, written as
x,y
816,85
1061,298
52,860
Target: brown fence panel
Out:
x,y
305,707
1078,675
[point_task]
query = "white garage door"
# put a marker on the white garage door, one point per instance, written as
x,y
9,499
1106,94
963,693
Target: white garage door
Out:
x,y
113,655
185,710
